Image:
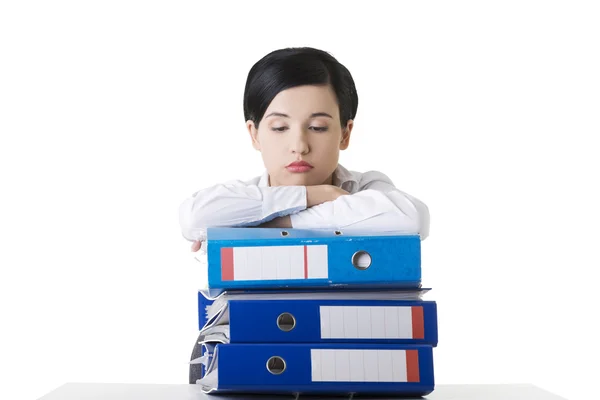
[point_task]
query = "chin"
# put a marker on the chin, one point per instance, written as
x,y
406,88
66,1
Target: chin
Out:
x,y
301,180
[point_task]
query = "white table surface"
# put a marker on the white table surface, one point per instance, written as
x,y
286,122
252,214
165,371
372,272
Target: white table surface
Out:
x,y
124,391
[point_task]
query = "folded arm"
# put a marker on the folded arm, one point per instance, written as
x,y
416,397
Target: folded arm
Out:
x,y
237,204
379,206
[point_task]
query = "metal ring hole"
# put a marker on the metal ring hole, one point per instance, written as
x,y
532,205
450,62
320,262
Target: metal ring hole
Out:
x,y
286,322
284,233
338,233
276,365
361,260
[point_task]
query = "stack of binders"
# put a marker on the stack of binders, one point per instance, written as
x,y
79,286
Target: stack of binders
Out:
x,y
314,312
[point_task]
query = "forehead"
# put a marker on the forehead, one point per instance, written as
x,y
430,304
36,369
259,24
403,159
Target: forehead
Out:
x,y
301,101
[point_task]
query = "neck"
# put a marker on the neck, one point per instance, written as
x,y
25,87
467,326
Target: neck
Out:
x,y
329,180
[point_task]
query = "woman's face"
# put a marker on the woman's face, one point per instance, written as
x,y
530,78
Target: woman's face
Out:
x,y
300,136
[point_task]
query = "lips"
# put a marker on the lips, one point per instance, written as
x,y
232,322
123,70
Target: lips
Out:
x,y
299,167
300,164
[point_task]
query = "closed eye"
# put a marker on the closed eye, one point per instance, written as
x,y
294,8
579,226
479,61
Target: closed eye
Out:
x,y
313,128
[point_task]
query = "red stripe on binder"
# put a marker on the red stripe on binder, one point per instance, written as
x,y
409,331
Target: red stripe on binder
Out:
x,y
227,264
418,325
412,366
305,262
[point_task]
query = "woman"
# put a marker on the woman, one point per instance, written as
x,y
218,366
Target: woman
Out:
x,y
299,107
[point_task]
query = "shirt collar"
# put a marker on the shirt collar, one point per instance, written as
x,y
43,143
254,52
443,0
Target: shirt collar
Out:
x,y
264,179
344,179
341,178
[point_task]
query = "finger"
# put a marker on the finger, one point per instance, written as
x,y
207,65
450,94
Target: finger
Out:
x,y
196,245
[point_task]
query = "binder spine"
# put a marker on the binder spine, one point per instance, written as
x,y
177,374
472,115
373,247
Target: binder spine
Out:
x,y
376,262
333,321
313,368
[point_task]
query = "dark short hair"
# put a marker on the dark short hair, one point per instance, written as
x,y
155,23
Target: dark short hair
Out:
x,y
291,67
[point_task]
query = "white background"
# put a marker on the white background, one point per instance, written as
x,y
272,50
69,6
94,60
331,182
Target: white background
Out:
x,y
113,112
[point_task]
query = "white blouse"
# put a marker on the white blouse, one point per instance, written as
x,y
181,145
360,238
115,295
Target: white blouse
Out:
x,y
374,204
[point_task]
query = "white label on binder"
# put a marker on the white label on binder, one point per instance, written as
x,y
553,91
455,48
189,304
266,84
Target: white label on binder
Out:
x,y
274,263
365,322
360,365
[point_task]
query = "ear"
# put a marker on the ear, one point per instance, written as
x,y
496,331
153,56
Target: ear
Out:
x,y
253,134
346,135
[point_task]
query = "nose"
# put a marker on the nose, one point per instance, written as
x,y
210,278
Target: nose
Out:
x,y
299,142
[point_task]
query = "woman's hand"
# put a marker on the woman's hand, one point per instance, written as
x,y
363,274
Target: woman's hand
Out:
x,y
196,245
320,194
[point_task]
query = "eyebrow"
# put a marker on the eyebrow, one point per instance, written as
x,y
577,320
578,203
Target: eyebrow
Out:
x,y
313,115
